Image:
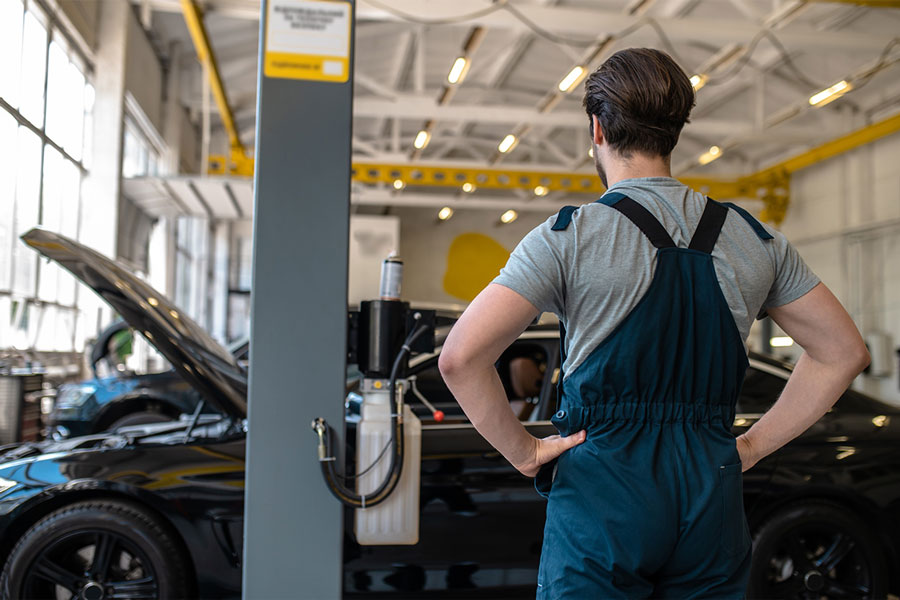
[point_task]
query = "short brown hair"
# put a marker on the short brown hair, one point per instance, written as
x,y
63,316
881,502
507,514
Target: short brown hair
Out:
x,y
642,99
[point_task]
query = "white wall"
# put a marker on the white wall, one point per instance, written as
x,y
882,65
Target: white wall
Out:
x,y
844,218
372,239
425,242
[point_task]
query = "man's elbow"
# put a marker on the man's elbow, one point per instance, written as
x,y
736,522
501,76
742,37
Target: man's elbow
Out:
x,y
860,358
451,362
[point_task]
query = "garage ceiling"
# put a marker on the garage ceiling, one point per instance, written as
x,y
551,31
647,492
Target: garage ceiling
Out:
x,y
763,61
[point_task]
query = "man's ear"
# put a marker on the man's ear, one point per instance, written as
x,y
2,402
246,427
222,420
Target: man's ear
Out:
x,y
598,132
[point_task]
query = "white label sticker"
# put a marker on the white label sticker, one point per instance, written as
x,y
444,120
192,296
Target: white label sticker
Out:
x,y
308,39
309,27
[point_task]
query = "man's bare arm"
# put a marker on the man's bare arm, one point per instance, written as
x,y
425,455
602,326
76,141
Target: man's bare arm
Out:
x,y
488,326
834,354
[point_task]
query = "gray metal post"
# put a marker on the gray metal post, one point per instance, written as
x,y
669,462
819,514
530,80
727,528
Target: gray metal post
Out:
x,y
293,526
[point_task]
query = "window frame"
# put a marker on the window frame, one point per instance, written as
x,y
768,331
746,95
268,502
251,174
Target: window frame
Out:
x,y
56,31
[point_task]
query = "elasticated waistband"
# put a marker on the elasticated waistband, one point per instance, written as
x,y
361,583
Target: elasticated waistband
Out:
x,y
571,418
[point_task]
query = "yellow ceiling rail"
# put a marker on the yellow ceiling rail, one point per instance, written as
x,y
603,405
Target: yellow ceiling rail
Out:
x,y
771,185
241,164
837,146
494,178
514,179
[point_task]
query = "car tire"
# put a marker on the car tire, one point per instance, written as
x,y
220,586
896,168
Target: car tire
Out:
x,y
139,556
140,418
817,549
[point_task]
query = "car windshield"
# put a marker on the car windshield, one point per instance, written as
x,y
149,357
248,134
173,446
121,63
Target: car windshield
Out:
x,y
122,353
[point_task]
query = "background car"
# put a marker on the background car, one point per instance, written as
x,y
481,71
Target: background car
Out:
x,y
123,397
157,510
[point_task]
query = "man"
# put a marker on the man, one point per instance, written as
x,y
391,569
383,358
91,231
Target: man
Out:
x,y
657,288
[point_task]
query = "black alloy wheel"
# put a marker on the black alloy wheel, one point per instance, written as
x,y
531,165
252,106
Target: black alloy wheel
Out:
x,y
816,551
96,550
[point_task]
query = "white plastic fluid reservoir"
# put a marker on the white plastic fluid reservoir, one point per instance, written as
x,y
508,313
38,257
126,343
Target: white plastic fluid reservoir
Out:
x,y
396,520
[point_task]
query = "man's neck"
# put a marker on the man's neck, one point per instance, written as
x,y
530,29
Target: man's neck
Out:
x,y
639,165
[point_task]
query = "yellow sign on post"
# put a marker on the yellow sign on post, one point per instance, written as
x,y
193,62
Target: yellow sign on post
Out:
x,y
308,39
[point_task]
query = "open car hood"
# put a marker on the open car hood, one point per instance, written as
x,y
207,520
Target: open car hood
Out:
x,y
201,360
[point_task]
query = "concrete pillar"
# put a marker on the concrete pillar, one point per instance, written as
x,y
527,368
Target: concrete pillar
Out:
x,y
172,111
100,210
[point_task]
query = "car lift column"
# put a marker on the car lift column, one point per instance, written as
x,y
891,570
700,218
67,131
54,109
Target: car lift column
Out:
x,y
293,526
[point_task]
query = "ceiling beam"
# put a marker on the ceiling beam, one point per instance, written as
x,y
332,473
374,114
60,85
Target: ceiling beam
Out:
x,y
412,106
377,197
409,106
581,22
593,24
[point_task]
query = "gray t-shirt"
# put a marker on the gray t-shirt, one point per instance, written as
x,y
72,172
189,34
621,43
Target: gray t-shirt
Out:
x,y
592,274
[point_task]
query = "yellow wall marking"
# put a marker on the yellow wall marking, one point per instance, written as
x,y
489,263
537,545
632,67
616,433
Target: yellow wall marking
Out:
x,y
473,261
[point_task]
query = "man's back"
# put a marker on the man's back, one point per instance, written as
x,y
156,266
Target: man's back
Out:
x,y
594,272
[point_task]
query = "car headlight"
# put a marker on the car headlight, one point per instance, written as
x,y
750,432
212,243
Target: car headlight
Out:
x,y
6,484
74,395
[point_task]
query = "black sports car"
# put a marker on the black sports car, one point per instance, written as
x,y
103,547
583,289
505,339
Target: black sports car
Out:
x,y
155,511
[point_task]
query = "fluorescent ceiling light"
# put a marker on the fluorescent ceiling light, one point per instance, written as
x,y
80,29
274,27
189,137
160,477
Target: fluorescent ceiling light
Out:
x,y
570,80
458,70
710,155
541,190
781,341
445,213
507,144
698,81
422,139
468,187
509,216
830,94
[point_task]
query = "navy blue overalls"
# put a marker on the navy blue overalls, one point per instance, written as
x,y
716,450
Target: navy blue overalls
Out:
x,y
650,505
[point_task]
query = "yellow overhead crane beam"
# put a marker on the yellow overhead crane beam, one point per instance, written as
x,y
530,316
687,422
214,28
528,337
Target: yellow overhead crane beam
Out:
x,y
771,185
513,179
837,146
239,163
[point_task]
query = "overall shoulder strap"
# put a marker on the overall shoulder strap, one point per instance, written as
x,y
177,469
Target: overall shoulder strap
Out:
x,y
641,217
709,227
563,218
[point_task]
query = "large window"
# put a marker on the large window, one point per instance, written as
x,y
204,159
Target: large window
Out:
x,y
192,239
139,156
46,101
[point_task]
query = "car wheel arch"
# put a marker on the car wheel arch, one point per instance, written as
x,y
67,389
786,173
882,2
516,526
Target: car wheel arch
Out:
x,y
130,404
48,502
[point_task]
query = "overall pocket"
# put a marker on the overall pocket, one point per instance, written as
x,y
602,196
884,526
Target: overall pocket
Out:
x,y
735,532
543,481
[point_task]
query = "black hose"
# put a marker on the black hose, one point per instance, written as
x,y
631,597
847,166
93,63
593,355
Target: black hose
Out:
x,y
346,495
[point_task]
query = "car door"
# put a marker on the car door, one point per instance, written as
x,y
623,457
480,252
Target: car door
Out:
x,y
481,522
